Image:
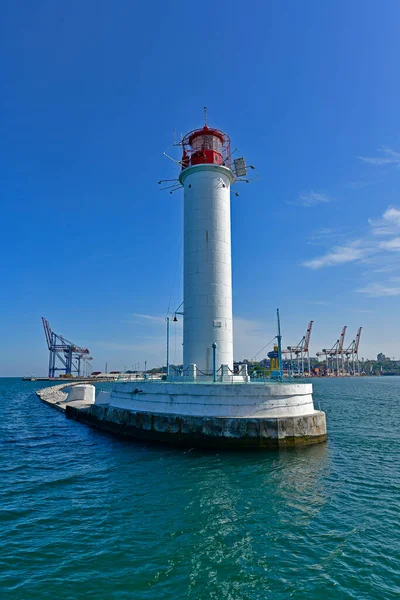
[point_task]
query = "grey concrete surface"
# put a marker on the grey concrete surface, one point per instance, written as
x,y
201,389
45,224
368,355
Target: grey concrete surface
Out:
x,y
208,432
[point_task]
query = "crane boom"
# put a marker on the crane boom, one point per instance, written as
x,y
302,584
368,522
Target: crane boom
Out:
x,y
308,336
358,336
47,331
332,350
342,336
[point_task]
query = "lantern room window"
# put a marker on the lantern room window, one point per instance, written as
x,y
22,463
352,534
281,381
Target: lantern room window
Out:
x,y
207,142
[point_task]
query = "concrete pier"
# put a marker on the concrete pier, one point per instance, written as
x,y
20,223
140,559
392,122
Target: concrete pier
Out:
x,y
205,432
56,397
200,415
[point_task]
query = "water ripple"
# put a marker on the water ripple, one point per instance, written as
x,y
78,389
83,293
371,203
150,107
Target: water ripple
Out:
x,y
87,515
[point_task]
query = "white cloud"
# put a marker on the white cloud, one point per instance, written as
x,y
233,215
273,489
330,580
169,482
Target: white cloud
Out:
x,y
378,290
338,256
140,316
366,249
392,215
311,198
324,234
384,269
390,157
393,244
389,224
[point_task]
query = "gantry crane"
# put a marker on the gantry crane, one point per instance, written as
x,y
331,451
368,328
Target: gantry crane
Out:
x,y
307,345
329,353
340,350
70,355
301,351
355,351
351,353
335,352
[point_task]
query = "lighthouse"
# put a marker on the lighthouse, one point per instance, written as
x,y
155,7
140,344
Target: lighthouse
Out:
x,y
205,404
207,177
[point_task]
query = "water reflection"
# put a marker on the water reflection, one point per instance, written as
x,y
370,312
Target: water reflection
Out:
x,y
251,511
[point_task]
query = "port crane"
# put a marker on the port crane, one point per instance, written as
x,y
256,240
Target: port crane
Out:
x,y
69,354
301,351
340,350
329,353
335,352
351,354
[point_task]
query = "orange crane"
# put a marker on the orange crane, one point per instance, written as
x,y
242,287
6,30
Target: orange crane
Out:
x,y
307,345
300,351
355,353
340,350
335,352
351,353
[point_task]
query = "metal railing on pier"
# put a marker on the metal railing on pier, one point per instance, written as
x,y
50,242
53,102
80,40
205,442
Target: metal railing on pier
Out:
x,y
184,377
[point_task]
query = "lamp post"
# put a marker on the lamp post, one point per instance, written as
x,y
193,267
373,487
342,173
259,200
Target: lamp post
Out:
x,y
167,347
279,338
214,347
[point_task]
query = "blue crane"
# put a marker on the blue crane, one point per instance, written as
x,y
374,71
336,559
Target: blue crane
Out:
x,y
69,354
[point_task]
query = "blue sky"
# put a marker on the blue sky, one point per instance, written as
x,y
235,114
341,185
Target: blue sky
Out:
x,y
91,94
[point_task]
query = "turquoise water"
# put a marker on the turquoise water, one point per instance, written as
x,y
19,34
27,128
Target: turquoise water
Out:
x,y
86,515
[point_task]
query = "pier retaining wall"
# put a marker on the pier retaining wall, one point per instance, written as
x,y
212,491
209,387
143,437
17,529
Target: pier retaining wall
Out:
x,y
206,432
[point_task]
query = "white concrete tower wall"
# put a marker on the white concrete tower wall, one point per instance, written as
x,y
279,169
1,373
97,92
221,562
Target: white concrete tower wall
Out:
x,y
207,266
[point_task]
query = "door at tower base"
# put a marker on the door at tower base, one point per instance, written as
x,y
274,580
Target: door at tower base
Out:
x,y
207,267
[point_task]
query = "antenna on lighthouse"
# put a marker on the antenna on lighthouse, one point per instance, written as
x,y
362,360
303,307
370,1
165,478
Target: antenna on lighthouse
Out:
x,y
205,115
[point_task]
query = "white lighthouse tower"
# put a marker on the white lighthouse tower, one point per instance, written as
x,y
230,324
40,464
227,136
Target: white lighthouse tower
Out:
x,y
205,403
206,178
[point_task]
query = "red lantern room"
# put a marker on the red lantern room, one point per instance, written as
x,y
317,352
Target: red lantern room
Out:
x,y
206,146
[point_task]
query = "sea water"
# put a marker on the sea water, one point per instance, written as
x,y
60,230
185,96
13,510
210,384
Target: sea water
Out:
x,y
85,514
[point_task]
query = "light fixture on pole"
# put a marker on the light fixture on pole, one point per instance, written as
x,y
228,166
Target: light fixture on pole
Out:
x,y
177,312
